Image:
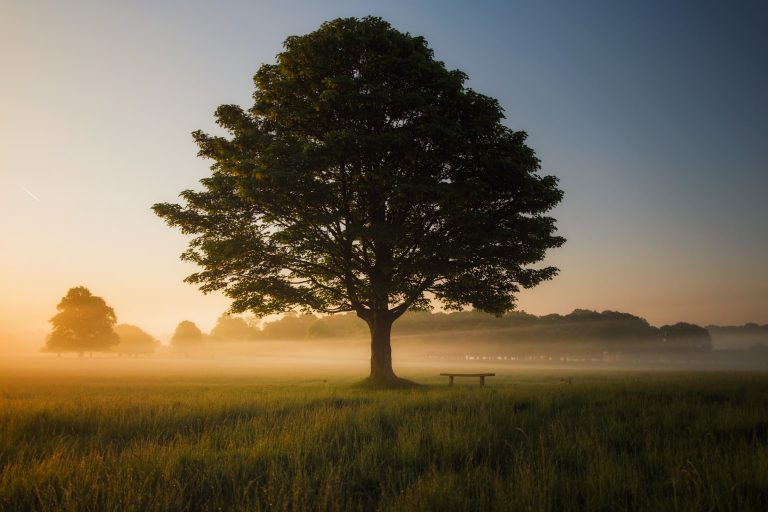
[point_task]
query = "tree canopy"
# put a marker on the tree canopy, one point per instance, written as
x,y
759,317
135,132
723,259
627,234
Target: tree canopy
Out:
x,y
685,336
134,340
186,335
366,177
84,323
230,327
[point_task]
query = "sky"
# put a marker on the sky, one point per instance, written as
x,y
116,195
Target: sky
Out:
x,y
653,115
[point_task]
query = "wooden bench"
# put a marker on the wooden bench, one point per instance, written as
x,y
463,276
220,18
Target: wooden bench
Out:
x,y
481,375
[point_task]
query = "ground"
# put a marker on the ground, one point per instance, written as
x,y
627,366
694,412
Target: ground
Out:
x,y
221,440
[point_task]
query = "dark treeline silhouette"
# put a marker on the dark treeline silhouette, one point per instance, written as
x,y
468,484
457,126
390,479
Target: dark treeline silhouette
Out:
x,y
584,329
685,336
750,336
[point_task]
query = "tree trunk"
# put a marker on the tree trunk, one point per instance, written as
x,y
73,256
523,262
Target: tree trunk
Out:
x,y
380,324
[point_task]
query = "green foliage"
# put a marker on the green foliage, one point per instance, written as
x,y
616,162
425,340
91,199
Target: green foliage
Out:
x,y
84,323
187,334
133,340
366,177
683,442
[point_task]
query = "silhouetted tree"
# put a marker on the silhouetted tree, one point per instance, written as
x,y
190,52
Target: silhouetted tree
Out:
x,y
585,324
290,327
685,336
133,340
187,335
230,327
84,323
738,336
342,325
366,177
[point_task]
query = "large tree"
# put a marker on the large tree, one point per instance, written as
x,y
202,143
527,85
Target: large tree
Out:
x,y
366,177
84,323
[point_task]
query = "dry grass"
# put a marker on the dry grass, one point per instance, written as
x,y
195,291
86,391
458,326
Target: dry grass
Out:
x,y
607,441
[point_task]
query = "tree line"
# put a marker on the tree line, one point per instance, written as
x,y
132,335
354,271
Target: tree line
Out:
x,y
85,323
609,327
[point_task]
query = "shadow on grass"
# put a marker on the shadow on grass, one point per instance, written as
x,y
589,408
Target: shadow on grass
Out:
x,y
396,383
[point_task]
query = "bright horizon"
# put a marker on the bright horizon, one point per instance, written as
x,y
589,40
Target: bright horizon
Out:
x,y
653,117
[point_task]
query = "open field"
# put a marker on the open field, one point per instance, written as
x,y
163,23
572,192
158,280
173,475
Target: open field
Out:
x,y
87,437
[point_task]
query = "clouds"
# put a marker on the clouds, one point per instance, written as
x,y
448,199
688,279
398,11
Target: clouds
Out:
x,y
29,193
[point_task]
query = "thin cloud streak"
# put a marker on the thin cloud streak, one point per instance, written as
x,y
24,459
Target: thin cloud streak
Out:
x,y
29,193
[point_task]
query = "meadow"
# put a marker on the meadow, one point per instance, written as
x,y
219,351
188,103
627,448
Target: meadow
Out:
x,y
529,440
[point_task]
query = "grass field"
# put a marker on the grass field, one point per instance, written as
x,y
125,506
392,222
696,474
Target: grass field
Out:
x,y
528,441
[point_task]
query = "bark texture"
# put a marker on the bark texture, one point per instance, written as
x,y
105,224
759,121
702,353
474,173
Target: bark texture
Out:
x,y
380,324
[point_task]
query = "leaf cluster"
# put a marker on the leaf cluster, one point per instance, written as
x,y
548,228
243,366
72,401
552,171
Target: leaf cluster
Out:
x,y
84,323
366,177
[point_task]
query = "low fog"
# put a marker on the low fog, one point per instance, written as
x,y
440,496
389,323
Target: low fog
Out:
x,y
313,347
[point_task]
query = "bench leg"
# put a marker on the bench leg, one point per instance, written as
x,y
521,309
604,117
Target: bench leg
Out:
x,y
482,380
450,380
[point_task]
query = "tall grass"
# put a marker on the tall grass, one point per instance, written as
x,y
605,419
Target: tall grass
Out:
x,y
605,442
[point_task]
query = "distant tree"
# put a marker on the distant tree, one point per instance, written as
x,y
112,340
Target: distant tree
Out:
x,y
738,336
342,325
611,326
291,326
320,329
84,323
230,327
368,178
187,335
685,336
133,340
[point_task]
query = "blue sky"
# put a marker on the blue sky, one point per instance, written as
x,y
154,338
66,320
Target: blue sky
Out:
x,y
652,114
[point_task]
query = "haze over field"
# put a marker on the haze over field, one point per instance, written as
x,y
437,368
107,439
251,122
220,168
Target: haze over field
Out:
x,y
384,255
652,116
